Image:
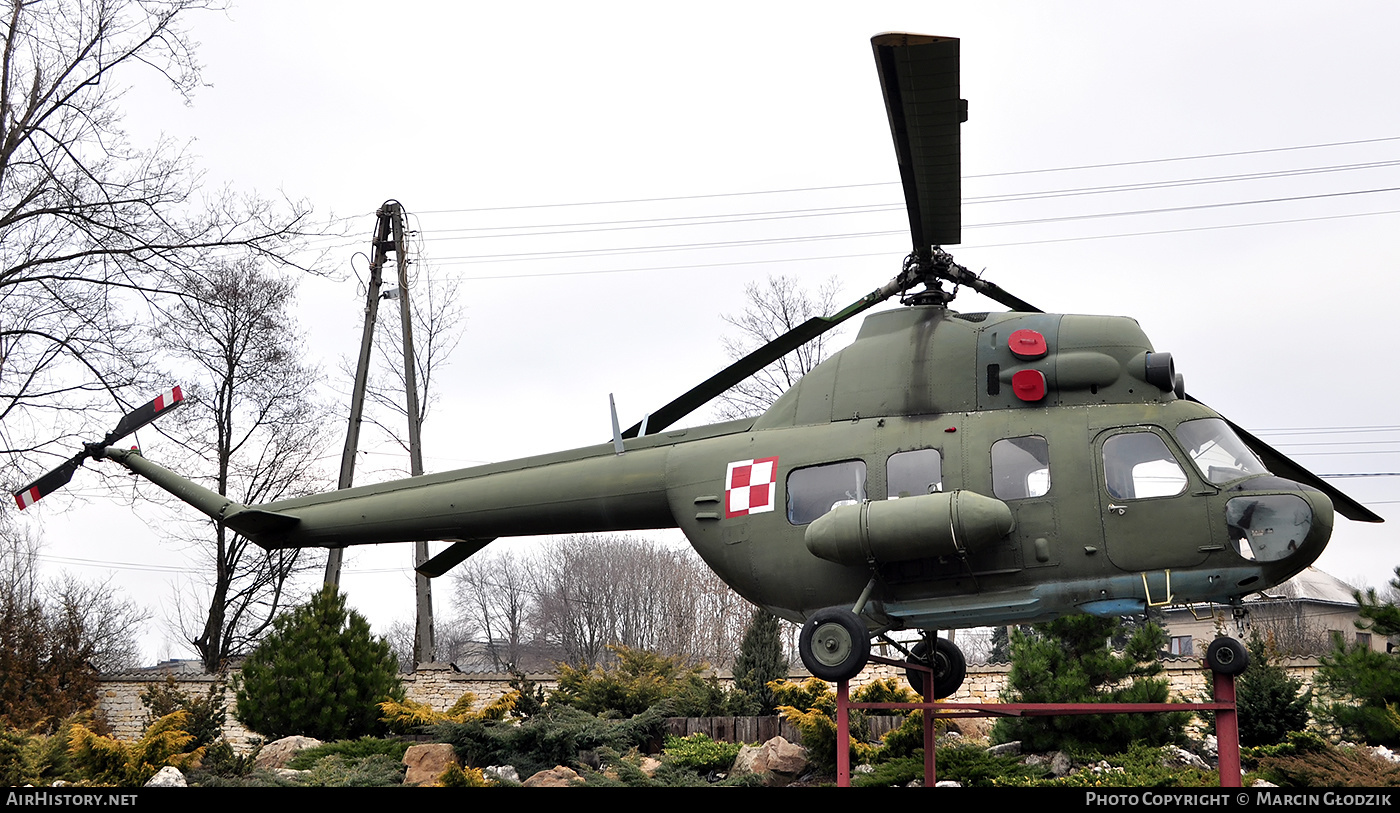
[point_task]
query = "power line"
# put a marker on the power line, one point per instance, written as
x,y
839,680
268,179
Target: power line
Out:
x,y
750,193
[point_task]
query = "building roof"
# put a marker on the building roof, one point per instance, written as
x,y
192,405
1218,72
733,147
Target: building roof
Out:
x,y
1311,585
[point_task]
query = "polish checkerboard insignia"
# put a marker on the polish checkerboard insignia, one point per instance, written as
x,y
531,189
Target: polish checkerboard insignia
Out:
x,y
750,486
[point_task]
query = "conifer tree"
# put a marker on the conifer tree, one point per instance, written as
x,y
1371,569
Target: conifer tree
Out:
x,y
760,660
1362,686
1270,702
320,674
1069,660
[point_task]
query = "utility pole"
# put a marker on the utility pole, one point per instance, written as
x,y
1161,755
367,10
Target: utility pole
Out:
x,y
423,643
380,246
389,236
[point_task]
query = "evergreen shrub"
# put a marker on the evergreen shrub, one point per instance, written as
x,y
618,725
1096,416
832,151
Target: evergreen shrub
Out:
x,y
319,674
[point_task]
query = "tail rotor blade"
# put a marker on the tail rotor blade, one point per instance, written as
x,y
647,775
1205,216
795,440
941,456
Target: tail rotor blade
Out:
x,y
49,483
130,422
143,415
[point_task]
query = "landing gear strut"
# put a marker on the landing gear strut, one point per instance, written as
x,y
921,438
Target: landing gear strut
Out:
x,y
834,645
947,662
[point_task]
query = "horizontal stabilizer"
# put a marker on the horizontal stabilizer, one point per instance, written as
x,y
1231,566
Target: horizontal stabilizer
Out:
x,y
252,522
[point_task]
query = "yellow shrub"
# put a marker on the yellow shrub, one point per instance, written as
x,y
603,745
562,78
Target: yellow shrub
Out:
x,y
406,715
106,761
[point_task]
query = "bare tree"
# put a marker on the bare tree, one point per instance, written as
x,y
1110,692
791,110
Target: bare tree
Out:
x,y
775,307
56,636
254,427
492,594
438,322
92,227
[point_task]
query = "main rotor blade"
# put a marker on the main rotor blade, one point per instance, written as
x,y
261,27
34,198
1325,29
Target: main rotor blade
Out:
x,y
716,384
455,554
919,77
1285,466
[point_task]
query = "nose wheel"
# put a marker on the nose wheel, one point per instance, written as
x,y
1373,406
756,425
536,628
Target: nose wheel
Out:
x,y
945,659
835,644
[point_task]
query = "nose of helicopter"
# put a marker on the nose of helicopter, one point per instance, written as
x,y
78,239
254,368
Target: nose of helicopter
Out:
x,y
1271,519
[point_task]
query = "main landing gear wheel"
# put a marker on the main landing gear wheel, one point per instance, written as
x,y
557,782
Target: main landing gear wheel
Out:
x,y
948,665
834,644
1226,656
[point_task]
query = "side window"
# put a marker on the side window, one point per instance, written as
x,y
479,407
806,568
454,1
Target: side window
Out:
x,y
815,490
1020,467
1138,465
909,474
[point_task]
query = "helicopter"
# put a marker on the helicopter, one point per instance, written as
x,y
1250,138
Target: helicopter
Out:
x,y
945,470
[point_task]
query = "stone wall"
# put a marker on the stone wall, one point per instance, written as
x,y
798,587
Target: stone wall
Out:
x,y
440,686
437,685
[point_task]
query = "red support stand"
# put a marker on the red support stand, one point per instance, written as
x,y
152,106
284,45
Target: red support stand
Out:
x,y
1227,731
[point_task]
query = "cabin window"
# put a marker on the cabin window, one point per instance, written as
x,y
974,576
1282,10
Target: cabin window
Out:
x,y
908,474
1020,467
1138,465
814,490
1181,645
1217,451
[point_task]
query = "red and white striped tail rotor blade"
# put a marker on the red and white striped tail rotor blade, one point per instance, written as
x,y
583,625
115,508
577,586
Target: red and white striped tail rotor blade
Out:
x,y
49,483
143,415
137,418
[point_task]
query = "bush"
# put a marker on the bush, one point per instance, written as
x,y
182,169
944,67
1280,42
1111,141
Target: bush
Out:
x,y
320,674
1270,703
1361,688
760,662
205,714
105,761
1330,767
408,716
638,681
700,753
556,736
810,707
1069,661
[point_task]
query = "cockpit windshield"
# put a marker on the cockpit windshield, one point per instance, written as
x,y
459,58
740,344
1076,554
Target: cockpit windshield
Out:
x,y
1217,451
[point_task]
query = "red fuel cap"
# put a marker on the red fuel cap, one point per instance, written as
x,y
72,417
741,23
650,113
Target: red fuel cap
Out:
x,y
1029,385
1027,344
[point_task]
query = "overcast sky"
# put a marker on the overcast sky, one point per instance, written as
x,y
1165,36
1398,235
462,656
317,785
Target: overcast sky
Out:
x,y
1274,294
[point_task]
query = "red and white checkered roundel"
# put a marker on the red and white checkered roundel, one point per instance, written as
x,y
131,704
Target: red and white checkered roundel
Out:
x,y
750,487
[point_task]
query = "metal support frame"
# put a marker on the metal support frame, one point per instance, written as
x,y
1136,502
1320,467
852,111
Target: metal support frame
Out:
x,y
1227,731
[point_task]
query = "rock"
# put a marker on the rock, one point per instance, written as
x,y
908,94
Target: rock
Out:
x,y
947,783
556,777
1060,764
427,762
778,760
1175,756
167,777
1012,748
1210,747
650,765
504,772
278,753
